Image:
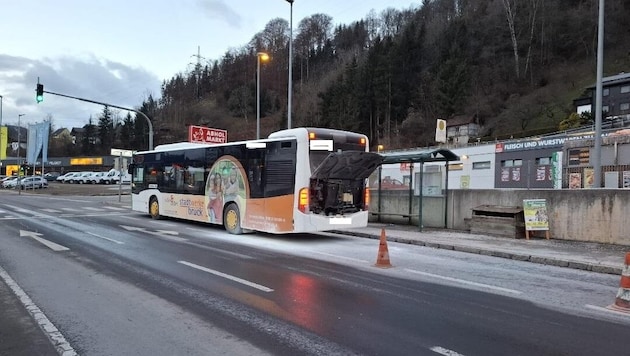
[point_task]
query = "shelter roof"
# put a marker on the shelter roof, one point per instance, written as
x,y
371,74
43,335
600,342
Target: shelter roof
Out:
x,y
429,155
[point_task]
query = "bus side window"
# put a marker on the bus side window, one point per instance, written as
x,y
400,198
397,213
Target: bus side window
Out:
x,y
255,168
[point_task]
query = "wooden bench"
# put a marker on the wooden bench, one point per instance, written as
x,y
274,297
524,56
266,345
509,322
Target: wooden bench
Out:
x,y
498,220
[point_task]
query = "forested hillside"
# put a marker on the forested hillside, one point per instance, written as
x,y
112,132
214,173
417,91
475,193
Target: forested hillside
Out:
x,y
515,64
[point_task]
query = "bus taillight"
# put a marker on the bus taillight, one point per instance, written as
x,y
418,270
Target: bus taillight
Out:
x,y
303,200
311,135
366,198
362,141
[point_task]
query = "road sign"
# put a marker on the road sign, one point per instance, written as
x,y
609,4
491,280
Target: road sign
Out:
x,y
203,134
120,152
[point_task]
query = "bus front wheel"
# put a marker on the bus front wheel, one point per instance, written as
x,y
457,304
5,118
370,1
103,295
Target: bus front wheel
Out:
x,y
232,220
154,208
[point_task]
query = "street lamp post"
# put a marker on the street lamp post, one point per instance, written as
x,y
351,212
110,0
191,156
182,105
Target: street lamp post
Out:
x,y
290,65
264,57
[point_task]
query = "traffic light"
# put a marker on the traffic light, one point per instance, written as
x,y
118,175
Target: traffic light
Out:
x,y
40,93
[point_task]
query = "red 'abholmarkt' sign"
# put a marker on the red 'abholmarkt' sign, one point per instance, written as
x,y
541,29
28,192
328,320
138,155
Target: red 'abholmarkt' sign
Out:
x,y
206,135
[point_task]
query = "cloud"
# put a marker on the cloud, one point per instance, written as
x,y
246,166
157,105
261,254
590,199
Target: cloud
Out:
x,y
90,78
218,9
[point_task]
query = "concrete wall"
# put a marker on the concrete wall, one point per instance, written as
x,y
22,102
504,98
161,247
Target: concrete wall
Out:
x,y
592,215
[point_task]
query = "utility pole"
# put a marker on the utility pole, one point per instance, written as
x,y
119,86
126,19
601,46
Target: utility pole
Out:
x,y
198,71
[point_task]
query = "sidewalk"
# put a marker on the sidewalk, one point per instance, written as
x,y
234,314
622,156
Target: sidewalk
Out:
x,y
601,258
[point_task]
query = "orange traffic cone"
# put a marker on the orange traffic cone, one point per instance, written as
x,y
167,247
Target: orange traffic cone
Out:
x,y
622,303
382,260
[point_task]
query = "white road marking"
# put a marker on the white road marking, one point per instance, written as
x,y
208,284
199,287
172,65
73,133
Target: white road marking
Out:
x,y
595,307
107,238
227,276
51,210
343,257
91,208
36,236
51,331
446,352
114,208
463,281
70,209
163,223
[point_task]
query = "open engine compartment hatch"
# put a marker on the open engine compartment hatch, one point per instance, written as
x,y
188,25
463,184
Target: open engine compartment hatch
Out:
x,y
337,185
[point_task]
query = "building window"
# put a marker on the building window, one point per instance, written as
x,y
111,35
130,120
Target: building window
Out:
x,y
625,89
456,167
605,109
543,161
605,92
481,165
624,106
512,163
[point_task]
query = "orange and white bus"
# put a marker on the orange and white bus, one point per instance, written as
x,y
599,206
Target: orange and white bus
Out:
x,y
296,180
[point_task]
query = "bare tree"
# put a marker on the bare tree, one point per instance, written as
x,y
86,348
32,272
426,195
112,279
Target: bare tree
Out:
x,y
510,13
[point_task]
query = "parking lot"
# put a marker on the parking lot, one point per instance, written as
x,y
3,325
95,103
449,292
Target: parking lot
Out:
x,y
56,188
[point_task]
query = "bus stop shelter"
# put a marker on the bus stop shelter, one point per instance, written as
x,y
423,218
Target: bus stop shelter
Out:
x,y
421,157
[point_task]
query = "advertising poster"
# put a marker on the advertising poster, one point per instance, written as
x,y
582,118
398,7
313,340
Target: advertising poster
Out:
x,y
535,212
626,179
464,182
575,180
589,177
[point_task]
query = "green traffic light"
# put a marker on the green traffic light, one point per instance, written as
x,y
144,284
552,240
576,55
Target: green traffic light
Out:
x,y
39,93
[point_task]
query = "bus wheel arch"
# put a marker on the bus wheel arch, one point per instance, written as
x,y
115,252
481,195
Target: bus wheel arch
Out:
x,y
232,219
154,208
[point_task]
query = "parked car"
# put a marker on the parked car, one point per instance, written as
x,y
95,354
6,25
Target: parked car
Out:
x,y
26,183
85,177
97,177
33,182
73,178
8,182
111,176
51,176
62,178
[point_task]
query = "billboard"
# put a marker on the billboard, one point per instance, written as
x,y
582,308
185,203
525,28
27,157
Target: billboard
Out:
x,y
203,134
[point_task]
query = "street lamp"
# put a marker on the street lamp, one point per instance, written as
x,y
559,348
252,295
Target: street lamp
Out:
x,y
290,65
260,56
379,148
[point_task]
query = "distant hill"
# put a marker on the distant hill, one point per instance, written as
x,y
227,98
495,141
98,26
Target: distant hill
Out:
x,y
518,65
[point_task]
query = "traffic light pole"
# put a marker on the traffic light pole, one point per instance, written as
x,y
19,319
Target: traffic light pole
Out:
x,y
113,106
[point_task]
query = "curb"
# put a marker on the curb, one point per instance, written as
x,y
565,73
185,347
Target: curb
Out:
x,y
592,267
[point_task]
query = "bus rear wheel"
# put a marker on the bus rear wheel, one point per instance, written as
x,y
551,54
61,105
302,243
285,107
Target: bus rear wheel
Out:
x,y
154,208
232,220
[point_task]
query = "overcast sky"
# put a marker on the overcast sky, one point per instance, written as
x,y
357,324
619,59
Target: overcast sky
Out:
x,y
120,51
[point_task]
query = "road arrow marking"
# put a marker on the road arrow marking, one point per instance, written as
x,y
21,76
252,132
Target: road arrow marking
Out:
x,y
36,236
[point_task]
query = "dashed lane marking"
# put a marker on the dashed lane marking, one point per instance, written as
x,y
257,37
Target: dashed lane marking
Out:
x,y
446,352
227,276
